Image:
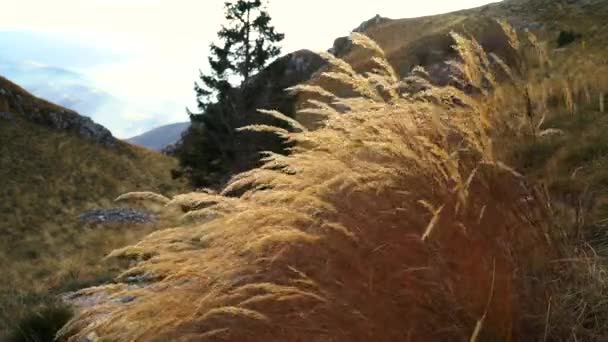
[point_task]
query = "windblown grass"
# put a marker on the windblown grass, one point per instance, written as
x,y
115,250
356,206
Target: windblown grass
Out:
x,y
393,220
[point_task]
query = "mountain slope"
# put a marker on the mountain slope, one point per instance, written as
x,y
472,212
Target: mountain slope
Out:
x,y
55,164
425,41
161,137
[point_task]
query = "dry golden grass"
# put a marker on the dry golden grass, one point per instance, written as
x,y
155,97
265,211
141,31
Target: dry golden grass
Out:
x,y
143,196
145,199
395,220
47,179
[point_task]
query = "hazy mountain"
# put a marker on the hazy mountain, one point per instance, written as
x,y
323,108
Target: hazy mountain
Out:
x,y
161,137
55,68
76,91
64,87
36,61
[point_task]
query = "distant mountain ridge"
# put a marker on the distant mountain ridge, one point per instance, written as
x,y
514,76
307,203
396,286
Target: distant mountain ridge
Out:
x,y
63,70
72,90
161,137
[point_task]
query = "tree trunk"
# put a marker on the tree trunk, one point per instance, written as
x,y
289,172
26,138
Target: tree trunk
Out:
x,y
602,102
247,49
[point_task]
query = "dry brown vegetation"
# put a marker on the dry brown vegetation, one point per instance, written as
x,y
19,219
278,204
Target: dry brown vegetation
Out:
x,y
396,219
47,179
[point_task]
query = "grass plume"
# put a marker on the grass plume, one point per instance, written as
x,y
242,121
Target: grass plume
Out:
x,y
387,222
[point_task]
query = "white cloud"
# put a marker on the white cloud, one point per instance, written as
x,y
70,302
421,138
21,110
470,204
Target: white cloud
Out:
x,y
135,115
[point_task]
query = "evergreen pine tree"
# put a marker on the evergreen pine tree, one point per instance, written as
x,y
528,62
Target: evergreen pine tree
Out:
x,y
248,43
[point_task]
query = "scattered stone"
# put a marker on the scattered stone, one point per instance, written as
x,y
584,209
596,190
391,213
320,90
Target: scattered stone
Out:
x,y
84,299
92,337
140,278
126,299
117,215
6,115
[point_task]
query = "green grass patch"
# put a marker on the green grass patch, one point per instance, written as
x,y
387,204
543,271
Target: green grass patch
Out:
x,y
41,325
534,156
586,150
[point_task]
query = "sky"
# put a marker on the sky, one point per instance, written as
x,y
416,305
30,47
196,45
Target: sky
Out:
x,y
139,58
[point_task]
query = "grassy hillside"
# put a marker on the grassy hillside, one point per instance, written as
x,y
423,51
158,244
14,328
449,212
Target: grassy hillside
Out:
x,y
48,177
413,211
425,41
462,202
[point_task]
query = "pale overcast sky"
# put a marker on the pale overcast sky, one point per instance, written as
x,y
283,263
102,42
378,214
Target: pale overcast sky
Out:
x,y
161,44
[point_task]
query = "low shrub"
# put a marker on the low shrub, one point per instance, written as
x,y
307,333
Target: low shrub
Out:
x,y
567,37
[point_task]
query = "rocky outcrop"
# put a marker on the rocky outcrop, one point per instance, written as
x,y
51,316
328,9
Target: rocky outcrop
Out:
x,y
343,45
227,150
17,102
371,23
117,215
270,84
269,89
